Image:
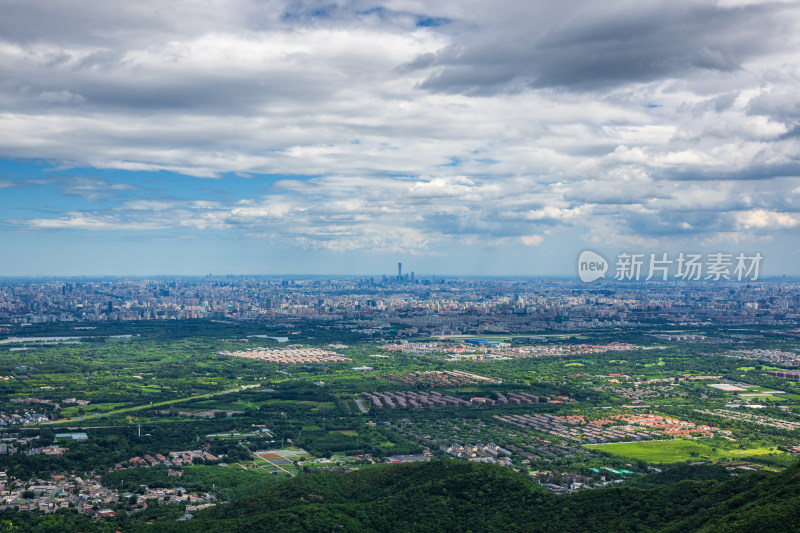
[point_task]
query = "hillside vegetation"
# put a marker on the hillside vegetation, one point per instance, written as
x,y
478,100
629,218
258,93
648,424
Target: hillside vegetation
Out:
x,y
463,496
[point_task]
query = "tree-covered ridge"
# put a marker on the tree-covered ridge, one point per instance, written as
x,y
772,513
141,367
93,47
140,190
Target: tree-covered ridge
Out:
x,y
456,496
442,495
462,496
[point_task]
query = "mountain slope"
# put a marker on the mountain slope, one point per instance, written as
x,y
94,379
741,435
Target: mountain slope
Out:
x,y
462,496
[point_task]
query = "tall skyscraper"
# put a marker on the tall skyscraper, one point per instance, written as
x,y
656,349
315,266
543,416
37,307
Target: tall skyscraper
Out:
x,y
399,271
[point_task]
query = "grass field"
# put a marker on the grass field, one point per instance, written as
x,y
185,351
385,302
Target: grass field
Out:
x,y
504,338
673,451
125,410
92,408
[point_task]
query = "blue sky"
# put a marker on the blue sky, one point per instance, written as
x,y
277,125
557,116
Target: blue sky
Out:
x,y
469,138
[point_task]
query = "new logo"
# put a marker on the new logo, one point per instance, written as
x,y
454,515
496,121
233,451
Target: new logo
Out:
x,y
591,266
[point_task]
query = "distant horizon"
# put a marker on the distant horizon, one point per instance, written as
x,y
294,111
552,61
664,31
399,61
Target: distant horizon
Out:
x,y
782,277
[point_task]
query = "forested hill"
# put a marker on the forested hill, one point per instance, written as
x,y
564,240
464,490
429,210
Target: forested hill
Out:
x,y
462,496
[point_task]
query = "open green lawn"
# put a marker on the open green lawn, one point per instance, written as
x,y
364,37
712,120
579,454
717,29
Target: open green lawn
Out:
x,y
125,410
91,408
483,337
784,397
506,337
672,451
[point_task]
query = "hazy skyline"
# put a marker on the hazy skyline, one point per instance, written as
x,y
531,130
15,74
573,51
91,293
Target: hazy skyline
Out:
x,y
485,138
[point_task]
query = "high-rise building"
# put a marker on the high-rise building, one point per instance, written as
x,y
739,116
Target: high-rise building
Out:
x,y
399,271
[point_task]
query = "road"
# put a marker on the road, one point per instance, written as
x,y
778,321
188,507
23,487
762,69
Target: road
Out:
x,y
124,410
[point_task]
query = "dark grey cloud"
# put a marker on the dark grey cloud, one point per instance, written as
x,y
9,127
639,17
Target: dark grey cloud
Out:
x,y
754,171
590,45
96,22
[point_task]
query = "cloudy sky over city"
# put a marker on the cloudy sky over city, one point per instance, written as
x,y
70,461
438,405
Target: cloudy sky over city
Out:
x,y
459,137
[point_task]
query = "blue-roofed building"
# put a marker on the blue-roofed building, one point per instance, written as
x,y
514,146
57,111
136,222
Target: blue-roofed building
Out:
x,y
483,341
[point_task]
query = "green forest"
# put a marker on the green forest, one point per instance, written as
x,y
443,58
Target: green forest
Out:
x,y
462,496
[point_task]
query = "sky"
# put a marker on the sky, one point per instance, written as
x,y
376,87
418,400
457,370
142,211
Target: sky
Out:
x,y
457,137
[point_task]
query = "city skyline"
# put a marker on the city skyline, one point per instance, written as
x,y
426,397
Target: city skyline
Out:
x,y
476,139
427,305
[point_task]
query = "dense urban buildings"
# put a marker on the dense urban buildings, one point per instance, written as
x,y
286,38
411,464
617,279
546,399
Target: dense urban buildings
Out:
x,y
429,306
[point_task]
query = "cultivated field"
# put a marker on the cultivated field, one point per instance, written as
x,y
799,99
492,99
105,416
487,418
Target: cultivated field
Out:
x,y
673,451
